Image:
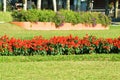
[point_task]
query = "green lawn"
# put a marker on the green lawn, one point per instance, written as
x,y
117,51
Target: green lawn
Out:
x,y
73,67
38,58
60,70
18,32
5,17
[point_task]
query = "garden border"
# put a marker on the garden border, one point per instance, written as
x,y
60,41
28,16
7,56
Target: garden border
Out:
x,y
64,26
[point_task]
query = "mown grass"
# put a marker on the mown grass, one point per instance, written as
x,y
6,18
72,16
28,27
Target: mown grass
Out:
x,y
85,57
5,17
60,70
69,67
15,31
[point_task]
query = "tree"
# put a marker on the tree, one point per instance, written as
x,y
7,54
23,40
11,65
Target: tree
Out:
x,y
39,4
54,5
4,5
68,4
25,4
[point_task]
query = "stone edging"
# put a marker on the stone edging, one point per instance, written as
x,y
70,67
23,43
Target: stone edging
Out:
x,y
65,26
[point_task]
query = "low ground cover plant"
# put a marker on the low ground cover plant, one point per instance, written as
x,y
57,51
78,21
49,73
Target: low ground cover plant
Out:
x,y
58,45
61,17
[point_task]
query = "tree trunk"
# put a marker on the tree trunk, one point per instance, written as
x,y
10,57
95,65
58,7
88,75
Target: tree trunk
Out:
x,y
38,4
4,5
68,4
25,5
54,5
116,8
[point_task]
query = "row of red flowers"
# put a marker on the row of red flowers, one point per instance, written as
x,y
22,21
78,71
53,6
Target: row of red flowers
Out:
x,y
61,45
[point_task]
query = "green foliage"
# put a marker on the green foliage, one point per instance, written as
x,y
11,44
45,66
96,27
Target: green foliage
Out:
x,y
59,19
46,15
86,17
31,15
69,16
95,18
61,16
34,15
103,19
81,17
58,46
0,7
18,16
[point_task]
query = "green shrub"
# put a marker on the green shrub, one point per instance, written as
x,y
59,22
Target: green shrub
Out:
x,y
46,15
18,16
87,17
103,19
69,16
31,15
94,18
81,17
61,17
34,15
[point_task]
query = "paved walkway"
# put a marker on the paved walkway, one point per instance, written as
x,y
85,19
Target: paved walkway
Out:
x,y
115,23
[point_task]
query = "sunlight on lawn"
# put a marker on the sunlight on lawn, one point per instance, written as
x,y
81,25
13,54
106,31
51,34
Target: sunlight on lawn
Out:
x,y
60,70
12,30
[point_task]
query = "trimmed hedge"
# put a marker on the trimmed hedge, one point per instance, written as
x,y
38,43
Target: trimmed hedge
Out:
x,y
60,45
61,16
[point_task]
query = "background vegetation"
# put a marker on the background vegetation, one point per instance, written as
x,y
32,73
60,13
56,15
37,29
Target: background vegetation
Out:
x,y
61,17
82,67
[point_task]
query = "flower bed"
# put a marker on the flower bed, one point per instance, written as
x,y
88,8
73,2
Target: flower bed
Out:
x,y
61,20
60,45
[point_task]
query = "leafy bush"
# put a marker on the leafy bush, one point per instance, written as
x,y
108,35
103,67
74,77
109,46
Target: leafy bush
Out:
x,y
61,16
60,45
94,18
103,19
46,15
31,15
34,15
19,15
69,16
